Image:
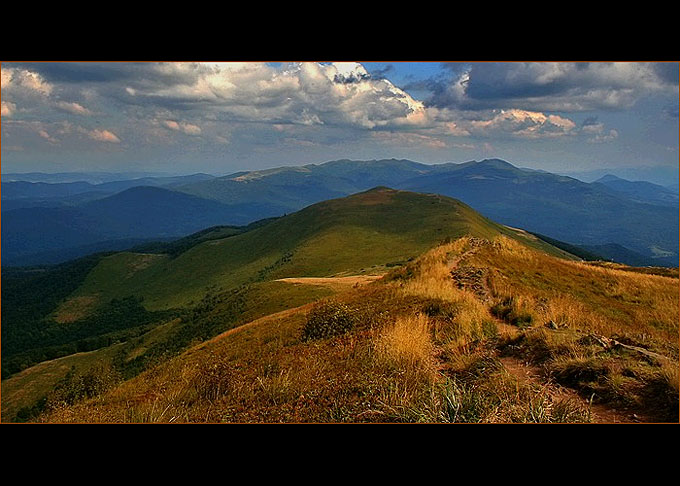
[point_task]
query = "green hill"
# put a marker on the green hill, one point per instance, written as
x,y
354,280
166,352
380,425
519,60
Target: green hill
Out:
x,y
362,233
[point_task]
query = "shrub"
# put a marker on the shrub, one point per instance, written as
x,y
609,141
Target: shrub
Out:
x,y
213,379
77,386
328,319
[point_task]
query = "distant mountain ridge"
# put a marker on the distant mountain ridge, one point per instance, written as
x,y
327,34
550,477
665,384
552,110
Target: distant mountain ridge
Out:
x,y
560,207
641,191
19,193
135,214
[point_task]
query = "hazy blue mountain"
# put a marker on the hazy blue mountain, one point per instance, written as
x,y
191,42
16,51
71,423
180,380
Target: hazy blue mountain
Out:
x,y
641,191
43,190
24,194
91,177
36,230
557,206
31,235
661,175
53,202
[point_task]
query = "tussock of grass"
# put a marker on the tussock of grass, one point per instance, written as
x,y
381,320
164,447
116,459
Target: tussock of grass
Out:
x,y
480,391
328,318
406,344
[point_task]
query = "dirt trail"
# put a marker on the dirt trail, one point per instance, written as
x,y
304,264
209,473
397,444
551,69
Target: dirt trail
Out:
x,y
474,279
599,413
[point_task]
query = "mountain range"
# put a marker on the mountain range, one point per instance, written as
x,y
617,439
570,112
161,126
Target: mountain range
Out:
x,y
44,222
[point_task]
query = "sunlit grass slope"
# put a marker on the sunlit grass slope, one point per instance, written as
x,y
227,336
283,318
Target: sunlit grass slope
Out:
x,y
359,233
430,342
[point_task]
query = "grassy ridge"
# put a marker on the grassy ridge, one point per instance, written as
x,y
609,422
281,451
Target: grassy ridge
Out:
x,y
426,344
348,235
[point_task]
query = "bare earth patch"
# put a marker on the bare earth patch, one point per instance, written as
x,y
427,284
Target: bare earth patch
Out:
x,y
75,308
334,283
140,263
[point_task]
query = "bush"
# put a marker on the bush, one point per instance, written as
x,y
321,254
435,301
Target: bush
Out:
x,y
213,379
327,319
77,386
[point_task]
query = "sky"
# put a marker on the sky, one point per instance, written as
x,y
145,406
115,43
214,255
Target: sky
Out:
x,y
220,118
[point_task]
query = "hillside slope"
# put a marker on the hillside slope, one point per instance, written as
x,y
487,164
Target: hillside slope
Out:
x,y
362,233
218,277
474,330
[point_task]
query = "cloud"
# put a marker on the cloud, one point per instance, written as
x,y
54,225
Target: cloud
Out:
x,y
7,108
551,86
171,124
188,128
602,136
596,131
523,124
103,136
335,94
24,81
323,103
73,108
47,136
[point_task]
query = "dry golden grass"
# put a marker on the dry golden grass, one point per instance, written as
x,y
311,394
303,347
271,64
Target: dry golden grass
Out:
x,y
581,296
432,280
406,344
418,350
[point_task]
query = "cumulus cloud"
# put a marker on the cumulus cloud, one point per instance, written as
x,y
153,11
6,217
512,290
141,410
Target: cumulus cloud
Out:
x,y
7,108
47,136
103,136
184,127
550,86
246,104
604,137
524,124
596,131
24,81
73,107
340,95
337,94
